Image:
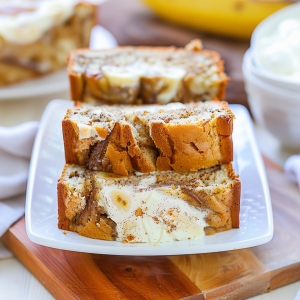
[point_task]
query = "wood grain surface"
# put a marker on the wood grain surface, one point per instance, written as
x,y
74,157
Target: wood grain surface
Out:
x,y
133,23
244,273
238,274
71,275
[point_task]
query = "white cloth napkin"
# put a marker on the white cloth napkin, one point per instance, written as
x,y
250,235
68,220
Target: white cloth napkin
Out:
x,y
15,151
292,169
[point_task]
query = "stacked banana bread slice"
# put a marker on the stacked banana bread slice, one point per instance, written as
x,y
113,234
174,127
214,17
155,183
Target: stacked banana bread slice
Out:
x,y
145,139
148,173
156,207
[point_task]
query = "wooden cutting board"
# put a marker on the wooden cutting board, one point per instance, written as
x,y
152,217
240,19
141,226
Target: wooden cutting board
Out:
x,y
235,274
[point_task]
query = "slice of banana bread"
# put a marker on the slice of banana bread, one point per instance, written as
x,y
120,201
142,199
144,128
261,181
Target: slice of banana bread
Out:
x,y
37,36
123,139
157,207
137,75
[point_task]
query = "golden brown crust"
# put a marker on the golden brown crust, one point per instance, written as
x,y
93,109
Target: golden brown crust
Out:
x,y
76,86
225,124
221,94
63,221
235,205
235,197
225,129
226,149
70,137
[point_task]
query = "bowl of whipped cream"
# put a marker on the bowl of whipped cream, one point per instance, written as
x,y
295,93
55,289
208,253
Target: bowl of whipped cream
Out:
x,y
271,69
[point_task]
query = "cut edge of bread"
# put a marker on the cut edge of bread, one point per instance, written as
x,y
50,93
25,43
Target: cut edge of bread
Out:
x,y
77,82
107,230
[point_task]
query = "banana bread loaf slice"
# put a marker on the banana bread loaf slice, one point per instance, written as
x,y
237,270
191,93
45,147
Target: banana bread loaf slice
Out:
x,y
147,75
157,207
37,36
123,139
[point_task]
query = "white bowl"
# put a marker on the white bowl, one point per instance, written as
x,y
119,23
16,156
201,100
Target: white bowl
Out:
x,y
275,108
266,76
263,30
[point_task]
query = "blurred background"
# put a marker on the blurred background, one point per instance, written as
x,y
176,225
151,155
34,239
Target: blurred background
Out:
x,y
260,67
135,23
223,26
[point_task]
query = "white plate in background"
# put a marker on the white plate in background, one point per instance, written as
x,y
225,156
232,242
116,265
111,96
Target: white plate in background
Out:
x,y
256,220
58,81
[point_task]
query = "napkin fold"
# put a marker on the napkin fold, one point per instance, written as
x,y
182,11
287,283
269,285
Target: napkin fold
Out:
x,y
15,151
18,140
292,169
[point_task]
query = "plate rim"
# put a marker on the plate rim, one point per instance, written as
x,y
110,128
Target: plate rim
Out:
x,y
15,93
147,251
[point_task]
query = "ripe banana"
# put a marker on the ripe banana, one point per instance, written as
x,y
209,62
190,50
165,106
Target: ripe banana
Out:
x,y
121,200
232,18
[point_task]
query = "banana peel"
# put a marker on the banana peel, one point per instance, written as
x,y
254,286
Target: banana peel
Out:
x,y
230,18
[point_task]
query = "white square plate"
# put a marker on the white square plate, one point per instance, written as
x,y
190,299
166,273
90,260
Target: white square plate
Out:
x,y
256,220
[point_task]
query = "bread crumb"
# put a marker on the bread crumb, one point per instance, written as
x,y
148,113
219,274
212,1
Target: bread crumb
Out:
x,y
139,212
194,45
65,233
130,237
